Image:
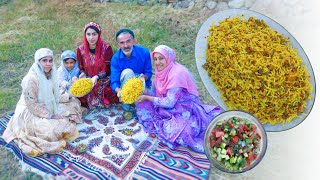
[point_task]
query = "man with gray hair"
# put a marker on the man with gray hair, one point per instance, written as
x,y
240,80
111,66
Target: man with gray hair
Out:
x,y
129,61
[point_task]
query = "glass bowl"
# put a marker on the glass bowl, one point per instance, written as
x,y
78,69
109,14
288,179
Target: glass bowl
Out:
x,y
230,146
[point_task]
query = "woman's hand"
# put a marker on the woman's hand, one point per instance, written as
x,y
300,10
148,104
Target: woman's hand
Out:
x,y
82,75
94,79
144,98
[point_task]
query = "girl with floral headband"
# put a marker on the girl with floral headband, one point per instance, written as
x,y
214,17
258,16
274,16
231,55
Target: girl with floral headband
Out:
x,y
94,56
173,110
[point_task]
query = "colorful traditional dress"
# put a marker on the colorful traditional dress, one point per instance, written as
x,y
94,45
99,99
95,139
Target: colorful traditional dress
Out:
x,y
176,114
31,126
96,62
179,118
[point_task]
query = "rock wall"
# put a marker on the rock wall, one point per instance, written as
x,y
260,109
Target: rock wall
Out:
x,y
202,5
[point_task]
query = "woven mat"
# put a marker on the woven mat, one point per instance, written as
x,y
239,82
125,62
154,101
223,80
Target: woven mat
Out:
x,y
112,153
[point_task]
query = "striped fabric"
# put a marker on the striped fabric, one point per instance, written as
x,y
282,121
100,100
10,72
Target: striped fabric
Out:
x,y
181,163
162,163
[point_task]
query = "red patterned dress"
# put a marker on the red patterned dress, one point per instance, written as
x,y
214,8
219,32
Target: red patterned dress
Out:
x,y
101,95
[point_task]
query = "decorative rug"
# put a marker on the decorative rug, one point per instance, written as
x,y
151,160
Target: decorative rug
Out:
x,y
111,148
181,163
112,144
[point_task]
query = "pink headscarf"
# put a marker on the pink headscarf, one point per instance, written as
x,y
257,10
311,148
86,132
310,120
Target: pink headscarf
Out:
x,y
172,76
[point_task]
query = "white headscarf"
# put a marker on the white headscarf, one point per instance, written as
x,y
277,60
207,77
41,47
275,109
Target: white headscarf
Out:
x,y
48,92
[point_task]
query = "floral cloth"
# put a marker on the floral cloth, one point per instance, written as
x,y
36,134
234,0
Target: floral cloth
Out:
x,y
178,118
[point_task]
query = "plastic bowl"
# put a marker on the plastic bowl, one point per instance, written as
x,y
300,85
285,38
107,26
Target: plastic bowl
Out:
x,y
212,154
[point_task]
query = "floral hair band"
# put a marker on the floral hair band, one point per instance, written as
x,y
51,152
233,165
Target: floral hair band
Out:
x,y
92,24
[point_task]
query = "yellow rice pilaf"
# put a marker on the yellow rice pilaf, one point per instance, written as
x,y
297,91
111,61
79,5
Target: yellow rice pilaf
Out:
x,y
256,70
81,87
131,90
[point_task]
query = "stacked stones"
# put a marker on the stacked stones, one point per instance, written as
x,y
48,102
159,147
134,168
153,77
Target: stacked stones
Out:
x,y
203,5
216,5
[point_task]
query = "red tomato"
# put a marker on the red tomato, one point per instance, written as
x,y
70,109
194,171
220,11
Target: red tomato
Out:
x,y
219,140
248,162
254,127
258,135
230,124
212,143
245,127
229,152
252,156
234,139
219,134
214,131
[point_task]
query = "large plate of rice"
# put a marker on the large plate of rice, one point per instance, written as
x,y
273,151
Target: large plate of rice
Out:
x,y
247,61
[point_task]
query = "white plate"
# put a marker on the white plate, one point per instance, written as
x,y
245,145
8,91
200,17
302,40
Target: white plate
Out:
x,y
200,55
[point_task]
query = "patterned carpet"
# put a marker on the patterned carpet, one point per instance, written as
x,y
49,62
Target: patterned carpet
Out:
x,y
116,149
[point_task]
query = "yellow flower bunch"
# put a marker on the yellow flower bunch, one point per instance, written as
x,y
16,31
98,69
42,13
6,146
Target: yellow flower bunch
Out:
x,y
131,90
81,87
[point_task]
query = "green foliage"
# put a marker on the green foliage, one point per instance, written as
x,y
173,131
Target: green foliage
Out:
x,y
8,99
28,25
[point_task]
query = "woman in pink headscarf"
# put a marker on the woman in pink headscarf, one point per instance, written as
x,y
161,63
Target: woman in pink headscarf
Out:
x,y
173,110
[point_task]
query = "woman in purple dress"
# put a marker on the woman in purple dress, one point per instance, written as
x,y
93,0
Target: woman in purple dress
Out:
x,y
173,110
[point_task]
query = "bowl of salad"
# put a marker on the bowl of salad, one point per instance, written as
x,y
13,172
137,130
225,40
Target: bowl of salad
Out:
x,y
235,141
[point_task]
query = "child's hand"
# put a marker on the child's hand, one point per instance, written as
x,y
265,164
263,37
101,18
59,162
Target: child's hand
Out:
x,y
74,79
82,75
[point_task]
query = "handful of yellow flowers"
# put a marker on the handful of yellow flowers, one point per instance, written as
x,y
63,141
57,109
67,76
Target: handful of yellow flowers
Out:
x,y
131,90
81,87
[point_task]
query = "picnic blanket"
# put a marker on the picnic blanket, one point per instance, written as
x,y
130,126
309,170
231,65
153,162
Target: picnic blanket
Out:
x,y
116,149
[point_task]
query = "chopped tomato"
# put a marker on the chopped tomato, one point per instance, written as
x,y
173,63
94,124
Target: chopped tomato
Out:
x,y
234,139
229,152
245,127
254,127
258,135
219,134
219,139
214,131
230,124
248,162
252,156
212,143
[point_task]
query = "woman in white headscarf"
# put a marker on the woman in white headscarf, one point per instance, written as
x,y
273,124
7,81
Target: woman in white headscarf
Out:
x,y
41,124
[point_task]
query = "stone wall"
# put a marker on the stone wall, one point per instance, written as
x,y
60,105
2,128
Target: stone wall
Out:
x,y
202,5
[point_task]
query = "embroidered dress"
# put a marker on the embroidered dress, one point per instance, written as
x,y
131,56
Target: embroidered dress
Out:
x,y
178,118
175,114
31,126
101,94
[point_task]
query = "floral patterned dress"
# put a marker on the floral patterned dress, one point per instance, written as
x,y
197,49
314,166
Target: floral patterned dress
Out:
x,y
179,118
101,95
